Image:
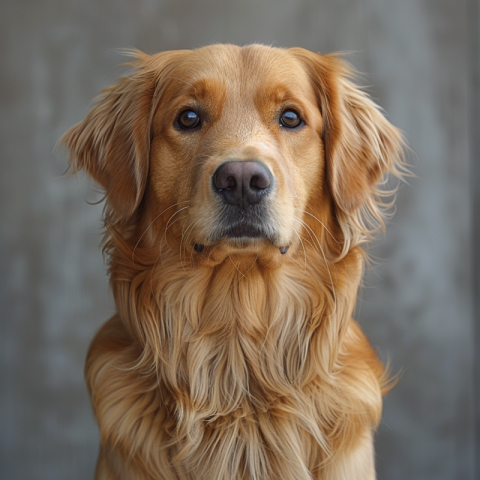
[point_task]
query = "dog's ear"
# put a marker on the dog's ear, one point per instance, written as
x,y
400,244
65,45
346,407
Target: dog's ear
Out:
x,y
112,143
360,144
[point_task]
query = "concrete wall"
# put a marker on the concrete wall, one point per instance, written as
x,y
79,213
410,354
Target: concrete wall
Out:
x,y
417,304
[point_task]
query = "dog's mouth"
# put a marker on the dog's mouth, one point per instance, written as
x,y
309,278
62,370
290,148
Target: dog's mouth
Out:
x,y
245,231
244,236
241,232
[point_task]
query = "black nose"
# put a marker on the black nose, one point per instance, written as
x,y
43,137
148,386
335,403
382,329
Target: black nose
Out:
x,y
242,183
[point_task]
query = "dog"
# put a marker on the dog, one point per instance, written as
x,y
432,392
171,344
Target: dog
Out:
x,y
240,186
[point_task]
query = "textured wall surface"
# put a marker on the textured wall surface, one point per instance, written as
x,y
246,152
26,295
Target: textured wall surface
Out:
x,y
417,303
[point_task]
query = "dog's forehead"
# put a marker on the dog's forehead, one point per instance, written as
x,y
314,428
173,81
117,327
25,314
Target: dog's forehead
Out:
x,y
248,72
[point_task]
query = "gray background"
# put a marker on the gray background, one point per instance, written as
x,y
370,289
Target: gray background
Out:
x,y
421,58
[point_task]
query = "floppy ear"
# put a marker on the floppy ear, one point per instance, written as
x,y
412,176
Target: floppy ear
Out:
x,y
360,144
112,143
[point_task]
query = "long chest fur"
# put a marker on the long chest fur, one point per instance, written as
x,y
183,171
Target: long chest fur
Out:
x,y
226,376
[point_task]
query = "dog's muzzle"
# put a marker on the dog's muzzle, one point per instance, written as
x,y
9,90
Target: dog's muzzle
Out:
x,y
243,188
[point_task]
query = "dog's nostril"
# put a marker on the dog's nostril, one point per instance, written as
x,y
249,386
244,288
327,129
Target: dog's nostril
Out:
x,y
231,183
260,182
242,183
225,178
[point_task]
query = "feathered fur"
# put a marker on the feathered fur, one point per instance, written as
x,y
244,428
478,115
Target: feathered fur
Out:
x,y
234,364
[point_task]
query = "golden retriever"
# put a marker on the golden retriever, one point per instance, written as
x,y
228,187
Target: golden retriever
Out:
x,y
240,184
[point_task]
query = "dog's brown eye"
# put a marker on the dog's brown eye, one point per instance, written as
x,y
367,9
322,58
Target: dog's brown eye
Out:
x,y
290,119
188,119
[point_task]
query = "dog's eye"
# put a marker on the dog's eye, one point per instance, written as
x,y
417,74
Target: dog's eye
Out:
x,y
290,119
188,119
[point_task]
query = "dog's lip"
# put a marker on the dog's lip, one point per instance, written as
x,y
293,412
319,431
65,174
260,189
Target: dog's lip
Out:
x,y
239,235
244,231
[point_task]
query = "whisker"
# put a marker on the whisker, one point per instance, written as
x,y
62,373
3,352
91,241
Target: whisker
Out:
x,y
185,237
304,254
160,243
243,275
164,236
152,272
311,238
309,231
233,263
191,257
321,223
151,223
326,264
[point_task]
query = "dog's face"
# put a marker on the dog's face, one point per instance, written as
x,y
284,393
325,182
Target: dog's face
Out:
x,y
242,127
241,144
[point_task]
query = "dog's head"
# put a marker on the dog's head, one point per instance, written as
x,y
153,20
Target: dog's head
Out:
x,y
247,146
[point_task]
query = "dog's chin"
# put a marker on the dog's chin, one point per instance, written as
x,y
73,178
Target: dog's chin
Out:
x,y
242,243
245,243
238,244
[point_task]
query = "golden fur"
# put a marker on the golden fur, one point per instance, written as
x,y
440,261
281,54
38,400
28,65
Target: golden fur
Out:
x,y
236,361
